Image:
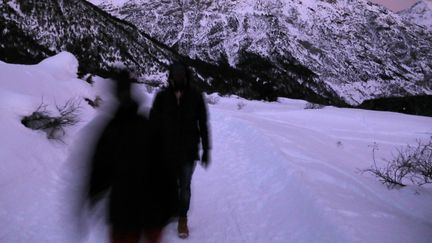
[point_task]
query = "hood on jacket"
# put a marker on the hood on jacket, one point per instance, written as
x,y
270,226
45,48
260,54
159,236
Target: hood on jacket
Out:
x,y
179,76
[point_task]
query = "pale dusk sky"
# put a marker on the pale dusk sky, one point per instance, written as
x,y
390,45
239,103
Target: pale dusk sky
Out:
x,y
396,5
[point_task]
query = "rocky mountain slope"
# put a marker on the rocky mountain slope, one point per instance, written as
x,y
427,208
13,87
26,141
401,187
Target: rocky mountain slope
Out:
x,y
31,30
350,49
420,13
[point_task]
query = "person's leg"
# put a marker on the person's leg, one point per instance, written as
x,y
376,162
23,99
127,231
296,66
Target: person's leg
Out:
x,y
185,178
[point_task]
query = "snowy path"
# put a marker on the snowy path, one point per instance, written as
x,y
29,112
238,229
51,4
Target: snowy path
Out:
x,y
248,194
275,180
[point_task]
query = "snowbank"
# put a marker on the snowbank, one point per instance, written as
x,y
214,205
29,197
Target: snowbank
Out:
x,y
29,175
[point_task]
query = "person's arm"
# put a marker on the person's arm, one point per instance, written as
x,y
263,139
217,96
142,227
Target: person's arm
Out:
x,y
204,130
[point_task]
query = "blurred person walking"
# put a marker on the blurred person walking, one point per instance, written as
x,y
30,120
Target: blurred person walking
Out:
x,y
142,196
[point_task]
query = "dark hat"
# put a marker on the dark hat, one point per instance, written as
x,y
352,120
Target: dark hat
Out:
x,y
178,69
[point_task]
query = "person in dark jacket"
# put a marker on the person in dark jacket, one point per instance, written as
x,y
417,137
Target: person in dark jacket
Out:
x,y
142,196
179,118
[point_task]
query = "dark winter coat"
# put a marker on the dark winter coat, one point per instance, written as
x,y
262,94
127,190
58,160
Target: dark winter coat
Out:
x,y
180,127
142,194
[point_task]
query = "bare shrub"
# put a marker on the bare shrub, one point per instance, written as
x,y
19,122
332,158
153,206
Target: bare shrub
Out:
x,y
313,106
54,126
412,163
88,78
154,83
94,103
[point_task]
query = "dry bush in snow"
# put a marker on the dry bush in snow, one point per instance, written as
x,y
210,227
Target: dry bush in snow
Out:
x,y
53,125
412,163
313,106
240,105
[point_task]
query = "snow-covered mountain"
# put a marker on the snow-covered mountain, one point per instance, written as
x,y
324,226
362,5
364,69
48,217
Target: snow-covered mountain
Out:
x,y
31,30
333,52
352,49
420,13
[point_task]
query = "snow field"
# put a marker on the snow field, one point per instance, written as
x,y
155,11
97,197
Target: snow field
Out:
x,y
279,173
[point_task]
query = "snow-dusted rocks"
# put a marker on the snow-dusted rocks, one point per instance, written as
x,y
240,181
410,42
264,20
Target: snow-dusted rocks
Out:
x,y
420,13
333,52
33,30
354,50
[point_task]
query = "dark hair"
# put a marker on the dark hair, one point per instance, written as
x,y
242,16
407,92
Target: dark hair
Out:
x,y
179,67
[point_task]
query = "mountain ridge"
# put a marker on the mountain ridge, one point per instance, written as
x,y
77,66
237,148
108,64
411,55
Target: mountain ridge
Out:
x,y
67,25
100,41
254,49
420,13
357,49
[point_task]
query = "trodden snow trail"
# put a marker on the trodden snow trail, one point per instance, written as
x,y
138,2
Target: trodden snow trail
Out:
x,y
302,160
281,175
250,193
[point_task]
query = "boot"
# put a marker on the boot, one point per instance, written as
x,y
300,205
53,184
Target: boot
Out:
x,y
182,229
